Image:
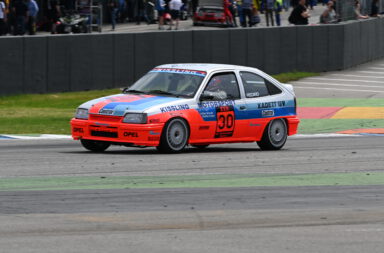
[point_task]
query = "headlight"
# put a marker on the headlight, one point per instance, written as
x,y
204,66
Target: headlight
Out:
x,y
135,118
81,113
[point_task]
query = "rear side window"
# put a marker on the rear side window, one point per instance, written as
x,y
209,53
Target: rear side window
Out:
x,y
256,86
273,90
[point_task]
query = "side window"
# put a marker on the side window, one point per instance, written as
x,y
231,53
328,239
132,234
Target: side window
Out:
x,y
222,86
273,90
256,86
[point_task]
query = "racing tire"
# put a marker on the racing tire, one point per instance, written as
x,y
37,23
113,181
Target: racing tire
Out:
x,y
174,137
95,146
200,146
274,136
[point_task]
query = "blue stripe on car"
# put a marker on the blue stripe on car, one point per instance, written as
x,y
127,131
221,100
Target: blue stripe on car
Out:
x,y
138,105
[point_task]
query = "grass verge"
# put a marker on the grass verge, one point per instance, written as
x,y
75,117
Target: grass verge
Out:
x,y
51,113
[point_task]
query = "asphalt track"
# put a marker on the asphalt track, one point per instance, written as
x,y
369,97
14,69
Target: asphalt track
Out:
x,y
318,194
287,208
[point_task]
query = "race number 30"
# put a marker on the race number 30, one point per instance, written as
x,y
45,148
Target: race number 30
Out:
x,y
225,125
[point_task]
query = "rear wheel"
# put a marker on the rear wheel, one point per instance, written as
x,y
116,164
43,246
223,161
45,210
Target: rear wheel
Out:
x,y
95,146
174,137
275,135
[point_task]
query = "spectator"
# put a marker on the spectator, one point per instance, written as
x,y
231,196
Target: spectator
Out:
x,y
299,15
247,8
357,11
21,12
375,8
138,10
232,9
329,15
310,3
286,4
114,9
33,9
228,13
174,8
338,16
269,6
278,9
54,13
3,18
160,8
294,3
121,10
240,11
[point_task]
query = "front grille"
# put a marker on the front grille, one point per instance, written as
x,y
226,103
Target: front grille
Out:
x,y
104,134
105,118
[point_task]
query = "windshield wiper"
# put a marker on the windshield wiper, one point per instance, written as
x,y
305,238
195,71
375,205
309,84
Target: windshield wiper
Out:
x,y
161,92
135,91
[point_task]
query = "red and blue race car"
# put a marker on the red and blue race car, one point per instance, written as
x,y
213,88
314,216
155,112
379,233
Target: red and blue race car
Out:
x,y
176,105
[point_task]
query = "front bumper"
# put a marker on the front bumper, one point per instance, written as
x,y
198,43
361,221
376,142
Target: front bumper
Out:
x,y
117,132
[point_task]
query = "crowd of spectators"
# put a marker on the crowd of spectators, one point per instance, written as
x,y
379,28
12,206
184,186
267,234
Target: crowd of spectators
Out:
x,y
19,17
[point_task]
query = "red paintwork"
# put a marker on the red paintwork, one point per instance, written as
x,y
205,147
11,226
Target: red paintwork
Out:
x,y
201,132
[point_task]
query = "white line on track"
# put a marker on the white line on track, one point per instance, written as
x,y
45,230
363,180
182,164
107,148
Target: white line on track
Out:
x,y
340,79
297,136
370,72
378,68
315,88
359,76
38,137
339,84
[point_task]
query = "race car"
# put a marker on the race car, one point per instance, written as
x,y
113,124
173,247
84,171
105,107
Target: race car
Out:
x,y
176,105
210,15
210,12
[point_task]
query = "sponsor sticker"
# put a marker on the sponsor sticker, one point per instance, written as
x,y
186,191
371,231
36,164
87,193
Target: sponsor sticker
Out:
x,y
180,71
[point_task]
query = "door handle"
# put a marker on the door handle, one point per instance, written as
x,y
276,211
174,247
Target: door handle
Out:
x,y
243,107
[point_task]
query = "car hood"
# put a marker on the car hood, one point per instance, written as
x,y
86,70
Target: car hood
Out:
x,y
118,105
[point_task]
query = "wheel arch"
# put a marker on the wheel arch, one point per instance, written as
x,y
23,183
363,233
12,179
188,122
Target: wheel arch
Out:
x,y
178,117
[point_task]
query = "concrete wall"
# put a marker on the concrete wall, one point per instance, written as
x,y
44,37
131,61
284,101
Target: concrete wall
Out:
x,y
42,64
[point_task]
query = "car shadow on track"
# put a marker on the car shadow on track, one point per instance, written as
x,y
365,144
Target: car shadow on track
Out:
x,y
153,151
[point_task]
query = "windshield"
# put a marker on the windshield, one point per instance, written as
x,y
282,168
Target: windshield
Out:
x,y
168,81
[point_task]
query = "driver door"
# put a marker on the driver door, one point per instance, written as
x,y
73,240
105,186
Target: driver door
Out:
x,y
221,100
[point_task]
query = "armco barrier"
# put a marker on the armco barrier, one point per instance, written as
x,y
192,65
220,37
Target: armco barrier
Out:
x,y
42,64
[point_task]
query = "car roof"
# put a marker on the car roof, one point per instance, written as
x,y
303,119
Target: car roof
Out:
x,y
207,67
212,7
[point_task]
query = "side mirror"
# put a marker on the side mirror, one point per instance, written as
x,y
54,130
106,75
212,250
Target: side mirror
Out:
x,y
205,96
124,89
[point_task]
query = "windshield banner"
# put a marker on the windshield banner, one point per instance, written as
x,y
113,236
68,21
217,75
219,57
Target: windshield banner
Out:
x,y
180,71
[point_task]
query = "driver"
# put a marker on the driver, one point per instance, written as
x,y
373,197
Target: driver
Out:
x,y
214,88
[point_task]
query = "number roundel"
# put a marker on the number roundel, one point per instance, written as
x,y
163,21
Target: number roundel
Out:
x,y
225,121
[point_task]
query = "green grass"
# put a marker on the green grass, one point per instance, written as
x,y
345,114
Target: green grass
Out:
x,y
310,126
189,181
293,76
51,113
340,102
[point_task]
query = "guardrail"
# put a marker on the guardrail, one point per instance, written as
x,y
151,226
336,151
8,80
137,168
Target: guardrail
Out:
x,y
42,64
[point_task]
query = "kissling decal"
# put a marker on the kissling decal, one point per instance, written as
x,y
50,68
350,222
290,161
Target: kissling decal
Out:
x,y
173,108
180,71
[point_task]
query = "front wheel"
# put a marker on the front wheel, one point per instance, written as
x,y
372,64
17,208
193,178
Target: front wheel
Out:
x,y
275,135
174,136
95,146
